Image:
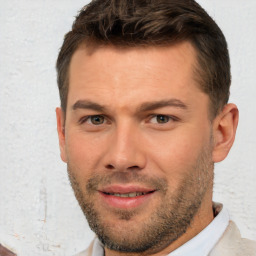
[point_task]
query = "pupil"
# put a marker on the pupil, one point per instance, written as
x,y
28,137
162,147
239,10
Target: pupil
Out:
x,y
162,119
97,119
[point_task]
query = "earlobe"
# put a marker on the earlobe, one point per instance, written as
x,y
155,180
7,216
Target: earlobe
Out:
x,y
224,131
61,133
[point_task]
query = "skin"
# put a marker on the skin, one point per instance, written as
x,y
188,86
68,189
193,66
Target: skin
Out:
x,y
129,144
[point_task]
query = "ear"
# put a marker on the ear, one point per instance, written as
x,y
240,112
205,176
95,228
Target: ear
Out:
x,y
224,131
61,133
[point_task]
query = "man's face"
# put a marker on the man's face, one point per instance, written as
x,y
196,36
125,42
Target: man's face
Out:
x,y
138,143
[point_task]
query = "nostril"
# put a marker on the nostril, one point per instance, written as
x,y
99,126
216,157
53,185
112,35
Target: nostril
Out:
x,y
109,166
131,168
135,167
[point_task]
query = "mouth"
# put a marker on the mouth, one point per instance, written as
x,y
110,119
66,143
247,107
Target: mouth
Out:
x,y
125,197
132,194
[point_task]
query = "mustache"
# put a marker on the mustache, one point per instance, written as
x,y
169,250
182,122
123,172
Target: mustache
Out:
x,y
131,177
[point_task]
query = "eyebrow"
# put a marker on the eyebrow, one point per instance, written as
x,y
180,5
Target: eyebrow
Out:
x,y
146,106
87,104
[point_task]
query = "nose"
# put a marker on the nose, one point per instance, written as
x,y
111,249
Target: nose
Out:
x,y
126,150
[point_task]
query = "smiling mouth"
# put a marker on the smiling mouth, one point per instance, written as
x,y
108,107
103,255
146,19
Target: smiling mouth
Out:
x,y
121,197
132,194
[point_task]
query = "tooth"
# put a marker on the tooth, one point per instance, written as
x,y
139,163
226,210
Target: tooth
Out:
x,y
133,194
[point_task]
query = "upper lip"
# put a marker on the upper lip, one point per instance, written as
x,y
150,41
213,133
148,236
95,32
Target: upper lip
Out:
x,y
125,189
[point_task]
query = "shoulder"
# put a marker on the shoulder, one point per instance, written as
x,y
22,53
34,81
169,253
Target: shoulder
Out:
x,y
231,243
87,252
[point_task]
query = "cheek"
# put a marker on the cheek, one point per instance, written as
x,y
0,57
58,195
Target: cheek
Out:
x,y
83,153
176,153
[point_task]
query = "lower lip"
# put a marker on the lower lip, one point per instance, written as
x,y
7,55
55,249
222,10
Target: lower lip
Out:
x,y
125,202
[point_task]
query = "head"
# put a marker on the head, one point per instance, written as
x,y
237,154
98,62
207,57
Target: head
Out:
x,y
126,23
143,119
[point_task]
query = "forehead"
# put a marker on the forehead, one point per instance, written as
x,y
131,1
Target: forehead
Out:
x,y
121,75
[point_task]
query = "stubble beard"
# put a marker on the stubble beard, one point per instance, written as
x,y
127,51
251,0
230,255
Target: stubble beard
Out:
x,y
168,221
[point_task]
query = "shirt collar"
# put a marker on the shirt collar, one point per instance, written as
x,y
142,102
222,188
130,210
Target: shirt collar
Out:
x,y
201,244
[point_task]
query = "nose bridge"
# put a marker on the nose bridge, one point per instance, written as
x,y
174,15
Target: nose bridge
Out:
x,y
125,151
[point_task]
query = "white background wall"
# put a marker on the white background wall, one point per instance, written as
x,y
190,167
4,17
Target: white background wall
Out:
x,y
38,212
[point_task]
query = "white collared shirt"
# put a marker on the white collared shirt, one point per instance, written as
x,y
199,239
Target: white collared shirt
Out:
x,y
200,245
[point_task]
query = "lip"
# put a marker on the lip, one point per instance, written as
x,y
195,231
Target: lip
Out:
x,y
125,202
124,189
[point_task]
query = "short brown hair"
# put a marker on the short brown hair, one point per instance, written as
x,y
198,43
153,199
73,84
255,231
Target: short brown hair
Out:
x,y
131,23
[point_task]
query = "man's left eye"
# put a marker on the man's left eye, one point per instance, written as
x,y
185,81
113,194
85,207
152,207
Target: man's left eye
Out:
x,y
160,119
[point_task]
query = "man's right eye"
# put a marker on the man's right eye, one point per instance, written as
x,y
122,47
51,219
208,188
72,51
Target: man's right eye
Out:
x,y
93,120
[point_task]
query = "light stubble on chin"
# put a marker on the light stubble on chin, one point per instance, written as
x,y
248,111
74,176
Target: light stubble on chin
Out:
x,y
168,221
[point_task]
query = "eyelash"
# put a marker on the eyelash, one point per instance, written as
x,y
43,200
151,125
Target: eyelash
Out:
x,y
86,118
170,118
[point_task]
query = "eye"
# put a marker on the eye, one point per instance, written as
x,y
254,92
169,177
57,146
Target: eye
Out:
x,y
94,120
160,119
